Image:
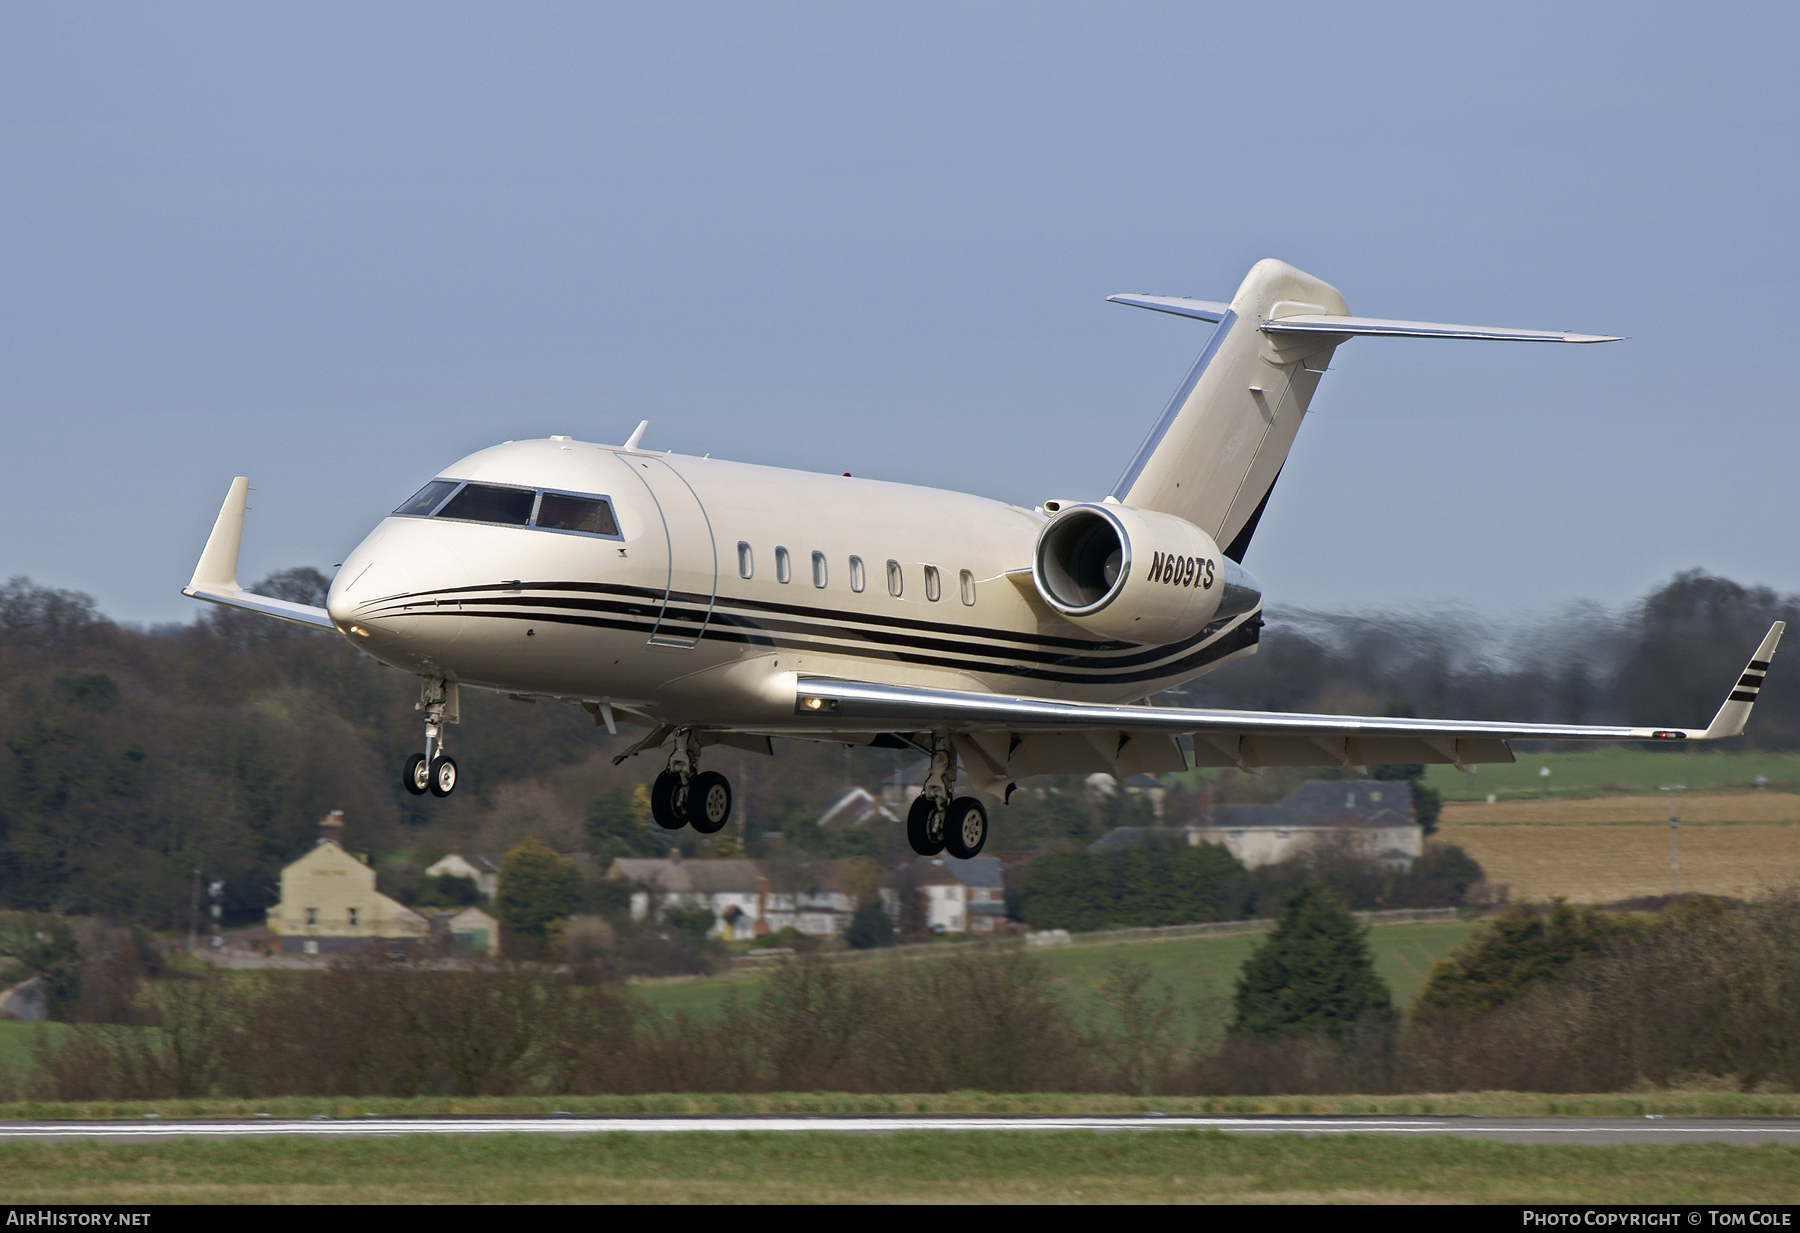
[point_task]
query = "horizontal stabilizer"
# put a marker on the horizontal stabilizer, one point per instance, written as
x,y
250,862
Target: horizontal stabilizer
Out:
x,y
1375,327
1202,310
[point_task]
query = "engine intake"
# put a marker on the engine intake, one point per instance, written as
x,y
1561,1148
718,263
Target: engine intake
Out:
x,y
1137,575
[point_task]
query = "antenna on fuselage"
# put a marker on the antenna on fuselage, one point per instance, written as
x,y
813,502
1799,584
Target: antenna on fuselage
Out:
x,y
637,435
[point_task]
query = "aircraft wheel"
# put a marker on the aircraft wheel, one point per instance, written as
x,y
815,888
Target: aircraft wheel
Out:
x,y
669,801
965,828
925,827
709,802
443,776
417,775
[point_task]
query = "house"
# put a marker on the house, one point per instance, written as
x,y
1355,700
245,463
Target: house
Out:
x,y
1375,815
484,871
854,807
749,898
466,931
329,905
959,896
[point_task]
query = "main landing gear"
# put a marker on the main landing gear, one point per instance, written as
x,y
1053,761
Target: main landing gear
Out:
x,y
434,771
939,823
683,795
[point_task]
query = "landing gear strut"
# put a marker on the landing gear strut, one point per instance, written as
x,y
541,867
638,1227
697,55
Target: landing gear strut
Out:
x,y
683,795
434,771
937,822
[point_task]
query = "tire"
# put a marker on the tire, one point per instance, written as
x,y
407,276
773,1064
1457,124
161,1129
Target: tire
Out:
x,y
416,778
925,827
709,802
669,801
443,776
965,828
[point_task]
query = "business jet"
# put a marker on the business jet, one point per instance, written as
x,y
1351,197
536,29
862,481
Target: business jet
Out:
x,y
720,603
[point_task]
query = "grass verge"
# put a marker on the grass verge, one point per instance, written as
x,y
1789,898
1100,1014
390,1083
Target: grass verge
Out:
x,y
1672,1103
1159,1166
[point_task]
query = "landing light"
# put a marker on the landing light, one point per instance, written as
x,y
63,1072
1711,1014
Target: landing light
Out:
x,y
818,704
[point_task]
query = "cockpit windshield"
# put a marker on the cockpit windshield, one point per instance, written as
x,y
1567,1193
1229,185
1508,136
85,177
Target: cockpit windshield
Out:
x,y
559,513
499,505
426,499
490,503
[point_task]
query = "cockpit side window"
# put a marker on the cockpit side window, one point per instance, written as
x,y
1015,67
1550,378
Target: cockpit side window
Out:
x,y
426,499
491,503
589,515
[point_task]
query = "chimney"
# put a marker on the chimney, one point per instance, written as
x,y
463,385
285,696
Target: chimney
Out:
x,y
331,827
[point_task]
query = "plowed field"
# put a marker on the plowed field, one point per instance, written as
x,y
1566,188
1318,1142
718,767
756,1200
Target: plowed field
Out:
x,y
1603,864
1693,808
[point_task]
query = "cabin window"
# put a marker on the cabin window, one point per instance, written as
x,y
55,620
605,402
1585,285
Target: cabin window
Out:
x,y
784,569
968,587
746,561
491,503
896,583
588,515
426,499
858,578
819,571
934,589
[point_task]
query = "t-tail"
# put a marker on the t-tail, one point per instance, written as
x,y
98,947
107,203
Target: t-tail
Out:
x,y
1213,456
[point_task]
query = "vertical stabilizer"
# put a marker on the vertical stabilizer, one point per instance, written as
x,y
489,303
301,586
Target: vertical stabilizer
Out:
x,y
1213,456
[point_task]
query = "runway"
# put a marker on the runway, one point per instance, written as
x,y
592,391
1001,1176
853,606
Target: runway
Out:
x,y
1593,1131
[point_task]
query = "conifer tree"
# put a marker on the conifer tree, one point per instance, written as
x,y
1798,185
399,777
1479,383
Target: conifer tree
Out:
x,y
1313,974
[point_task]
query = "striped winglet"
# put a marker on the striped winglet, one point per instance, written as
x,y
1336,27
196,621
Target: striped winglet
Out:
x,y
1731,717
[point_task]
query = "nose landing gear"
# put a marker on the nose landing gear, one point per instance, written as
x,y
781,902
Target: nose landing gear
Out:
x,y
685,796
434,771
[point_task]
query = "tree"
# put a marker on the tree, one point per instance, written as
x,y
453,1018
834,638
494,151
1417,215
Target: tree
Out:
x,y
1510,953
870,927
1313,974
538,892
614,828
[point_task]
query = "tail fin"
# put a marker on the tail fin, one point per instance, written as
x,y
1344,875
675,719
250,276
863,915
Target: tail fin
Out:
x,y
1215,453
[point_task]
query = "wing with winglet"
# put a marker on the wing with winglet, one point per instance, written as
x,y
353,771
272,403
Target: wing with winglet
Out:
x,y
1004,738
215,577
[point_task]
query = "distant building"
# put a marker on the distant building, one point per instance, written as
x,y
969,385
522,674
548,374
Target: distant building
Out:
x,y
466,931
329,905
1376,815
484,871
959,896
855,807
750,898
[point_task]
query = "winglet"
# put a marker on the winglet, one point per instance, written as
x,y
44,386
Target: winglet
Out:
x,y
217,570
1732,716
215,577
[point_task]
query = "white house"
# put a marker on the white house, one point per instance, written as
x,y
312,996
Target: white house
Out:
x,y
484,871
1374,815
750,898
960,896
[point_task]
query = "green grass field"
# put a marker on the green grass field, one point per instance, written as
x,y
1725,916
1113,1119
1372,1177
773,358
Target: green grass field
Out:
x,y
1191,970
1591,772
1156,1166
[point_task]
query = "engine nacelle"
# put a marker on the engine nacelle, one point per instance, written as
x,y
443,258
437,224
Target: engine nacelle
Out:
x,y
1136,575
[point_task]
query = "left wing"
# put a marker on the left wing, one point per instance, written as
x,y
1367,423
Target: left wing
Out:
x,y
215,577
1004,738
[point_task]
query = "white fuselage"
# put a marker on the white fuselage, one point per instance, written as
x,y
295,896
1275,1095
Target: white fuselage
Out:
x,y
660,618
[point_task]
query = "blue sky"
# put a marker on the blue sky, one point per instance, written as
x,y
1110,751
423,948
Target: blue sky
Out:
x,y
336,247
